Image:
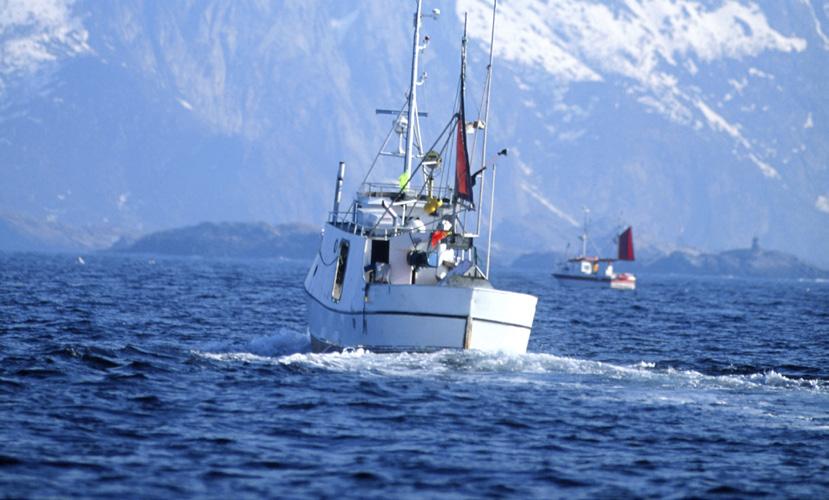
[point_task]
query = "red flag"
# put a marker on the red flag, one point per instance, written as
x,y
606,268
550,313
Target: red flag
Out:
x,y
626,244
463,179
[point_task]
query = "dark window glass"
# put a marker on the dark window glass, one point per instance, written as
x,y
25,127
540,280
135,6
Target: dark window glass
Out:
x,y
379,251
339,274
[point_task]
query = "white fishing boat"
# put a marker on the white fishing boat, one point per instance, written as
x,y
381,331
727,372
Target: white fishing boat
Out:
x,y
598,271
399,268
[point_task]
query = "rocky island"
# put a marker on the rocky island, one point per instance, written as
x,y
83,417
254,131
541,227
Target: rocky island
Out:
x,y
228,239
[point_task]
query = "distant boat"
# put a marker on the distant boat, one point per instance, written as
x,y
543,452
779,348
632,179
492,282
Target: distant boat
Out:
x,y
399,269
591,270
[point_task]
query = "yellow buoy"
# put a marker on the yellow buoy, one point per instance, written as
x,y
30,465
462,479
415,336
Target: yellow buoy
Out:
x,y
432,205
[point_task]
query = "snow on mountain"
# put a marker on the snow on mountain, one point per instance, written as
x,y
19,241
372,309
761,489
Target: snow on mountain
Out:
x,y
36,32
653,43
701,122
696,65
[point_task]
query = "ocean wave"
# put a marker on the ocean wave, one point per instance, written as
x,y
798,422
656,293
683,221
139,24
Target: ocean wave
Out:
x,y
292,348
257,349
448,362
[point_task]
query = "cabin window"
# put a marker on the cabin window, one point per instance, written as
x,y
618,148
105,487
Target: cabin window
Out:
x,y
379,252
378,269
339,274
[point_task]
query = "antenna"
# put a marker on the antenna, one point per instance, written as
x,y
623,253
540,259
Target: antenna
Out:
x,y
583,236
417,47
483,145
412,104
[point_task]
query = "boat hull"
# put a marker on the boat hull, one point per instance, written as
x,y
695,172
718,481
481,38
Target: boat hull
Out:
x,y
623,283
618,283
423,319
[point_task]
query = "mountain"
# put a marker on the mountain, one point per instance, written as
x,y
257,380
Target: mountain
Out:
x,y
25,234
702,123
537,261
742,262
228,239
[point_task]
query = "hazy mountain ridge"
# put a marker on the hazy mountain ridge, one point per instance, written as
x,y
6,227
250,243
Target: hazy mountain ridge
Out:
x,y
207,239
701,123
743,262
25,234
229,239
301,241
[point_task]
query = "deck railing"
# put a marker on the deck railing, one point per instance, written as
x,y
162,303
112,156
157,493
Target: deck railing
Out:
x,y
389,190
347,220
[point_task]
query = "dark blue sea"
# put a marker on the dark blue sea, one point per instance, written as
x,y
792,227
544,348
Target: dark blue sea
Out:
x,y
163,378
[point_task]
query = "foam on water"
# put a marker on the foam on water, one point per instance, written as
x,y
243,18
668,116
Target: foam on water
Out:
x,y
640,384
290,348
281,343
284,342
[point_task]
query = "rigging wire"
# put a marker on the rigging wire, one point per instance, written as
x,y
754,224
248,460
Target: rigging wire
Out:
x,y
383,147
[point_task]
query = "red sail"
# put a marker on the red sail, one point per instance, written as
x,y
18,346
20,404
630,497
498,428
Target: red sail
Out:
x,y
463,178
626,244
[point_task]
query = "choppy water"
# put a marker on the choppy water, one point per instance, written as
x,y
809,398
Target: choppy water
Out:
x,y
161,378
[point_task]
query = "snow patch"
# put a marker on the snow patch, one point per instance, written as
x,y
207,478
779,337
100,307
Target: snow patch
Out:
x,y
521,85
579,40
524,35
344,23
717,122
537,196
760,74
525,169
34,33
764,167
185,104
822,203
738,85
571,136
818,27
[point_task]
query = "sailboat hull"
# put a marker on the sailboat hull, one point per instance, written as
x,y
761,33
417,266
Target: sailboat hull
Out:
x,y
626,282
425,318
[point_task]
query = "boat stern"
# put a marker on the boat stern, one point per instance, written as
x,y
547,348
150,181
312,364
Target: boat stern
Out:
x,y
623,281
499,321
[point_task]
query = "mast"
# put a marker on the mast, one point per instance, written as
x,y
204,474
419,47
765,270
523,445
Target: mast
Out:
x,y
407,167
487,92
483,144
583,236
463,178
